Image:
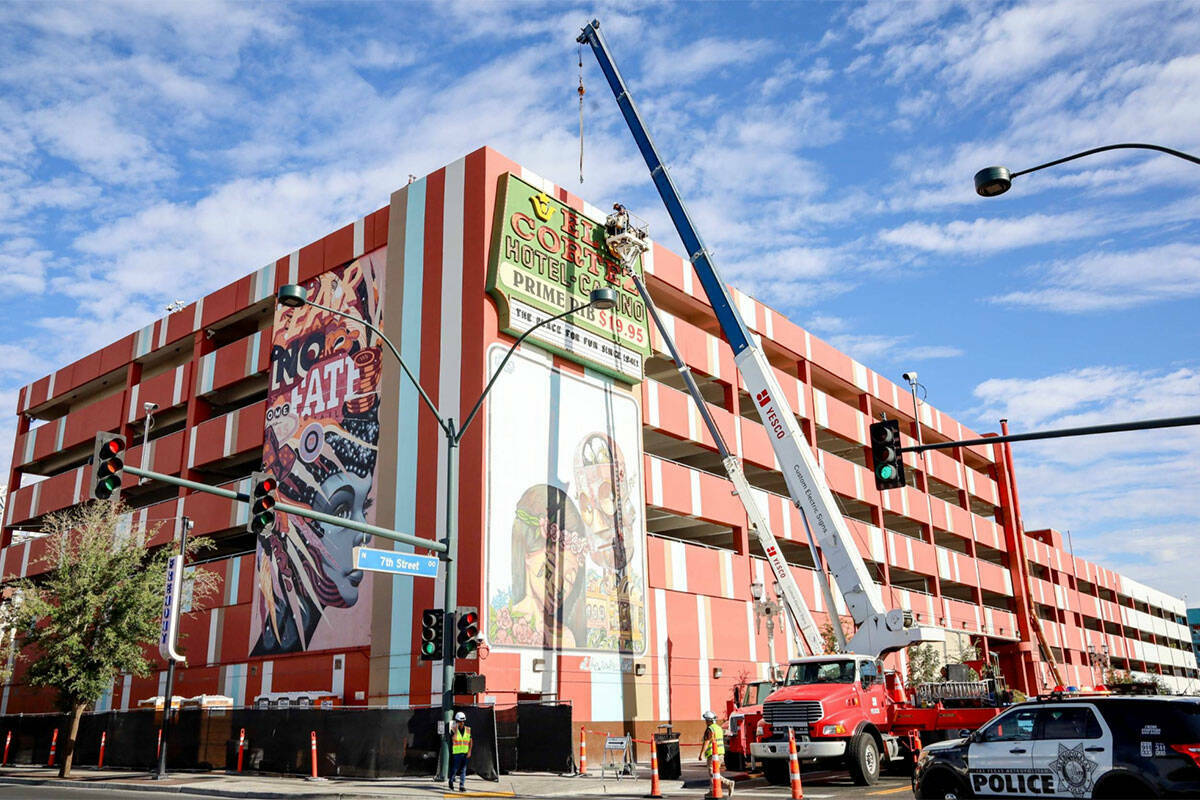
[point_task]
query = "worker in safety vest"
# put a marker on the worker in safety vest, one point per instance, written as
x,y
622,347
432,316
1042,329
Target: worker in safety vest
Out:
x,y
714,741
460,751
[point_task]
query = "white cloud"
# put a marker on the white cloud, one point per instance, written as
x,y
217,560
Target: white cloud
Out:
x,y
1105,281
891,349
700,57
1127,498
990,235
23,266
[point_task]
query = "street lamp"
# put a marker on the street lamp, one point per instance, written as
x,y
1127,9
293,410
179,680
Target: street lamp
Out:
x,y
294,296
766,609
992,181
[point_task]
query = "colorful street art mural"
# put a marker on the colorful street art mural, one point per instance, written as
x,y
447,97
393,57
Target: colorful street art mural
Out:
x,y
566,517
322,437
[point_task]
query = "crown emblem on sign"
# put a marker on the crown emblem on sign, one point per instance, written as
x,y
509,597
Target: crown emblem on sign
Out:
x,y
542,207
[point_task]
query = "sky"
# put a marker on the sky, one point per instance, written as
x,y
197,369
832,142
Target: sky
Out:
x,y
157,151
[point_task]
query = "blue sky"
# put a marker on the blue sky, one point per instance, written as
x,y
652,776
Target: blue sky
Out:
x,y
154,151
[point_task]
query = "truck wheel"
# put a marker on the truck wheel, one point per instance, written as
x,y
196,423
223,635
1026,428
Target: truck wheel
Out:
x,y
863,759
776,771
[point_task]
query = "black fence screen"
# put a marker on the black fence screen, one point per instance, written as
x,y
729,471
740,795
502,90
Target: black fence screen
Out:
x,y
544,738
351,742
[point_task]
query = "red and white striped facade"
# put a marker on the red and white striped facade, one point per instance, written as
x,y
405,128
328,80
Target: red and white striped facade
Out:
x,y
949,555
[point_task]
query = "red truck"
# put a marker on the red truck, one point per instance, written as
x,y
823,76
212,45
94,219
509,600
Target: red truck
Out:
x,y
743,713
847,713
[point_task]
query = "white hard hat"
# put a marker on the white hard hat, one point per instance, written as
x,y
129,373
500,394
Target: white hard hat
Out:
x,y
460,717
709,715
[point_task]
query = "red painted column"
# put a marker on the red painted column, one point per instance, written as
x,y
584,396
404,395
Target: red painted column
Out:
x,y
1027,679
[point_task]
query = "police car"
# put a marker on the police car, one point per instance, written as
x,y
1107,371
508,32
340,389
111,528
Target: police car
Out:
x,y
1072,746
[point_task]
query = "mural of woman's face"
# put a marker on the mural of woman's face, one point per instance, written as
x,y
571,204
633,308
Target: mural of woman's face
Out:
x,y
343,494
551,573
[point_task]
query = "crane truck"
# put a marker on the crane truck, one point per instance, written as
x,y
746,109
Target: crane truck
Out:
x,y
842,707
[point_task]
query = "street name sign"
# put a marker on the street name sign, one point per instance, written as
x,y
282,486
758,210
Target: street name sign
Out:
x,y
374,560
169,629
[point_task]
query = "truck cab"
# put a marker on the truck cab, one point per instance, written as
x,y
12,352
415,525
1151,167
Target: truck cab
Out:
x,y
839,710
744,713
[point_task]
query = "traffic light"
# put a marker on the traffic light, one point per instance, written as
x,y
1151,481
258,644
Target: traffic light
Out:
x,y
468,633
262,503
433,623
885,452
108,463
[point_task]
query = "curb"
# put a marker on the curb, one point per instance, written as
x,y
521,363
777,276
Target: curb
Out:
x,y
192,789
598,789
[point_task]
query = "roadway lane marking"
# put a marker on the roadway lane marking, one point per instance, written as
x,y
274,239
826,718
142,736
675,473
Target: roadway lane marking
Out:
x,y
479,794
776,795
891,791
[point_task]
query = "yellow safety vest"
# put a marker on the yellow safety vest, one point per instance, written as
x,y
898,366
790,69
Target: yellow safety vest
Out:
x,y
716,739
461,741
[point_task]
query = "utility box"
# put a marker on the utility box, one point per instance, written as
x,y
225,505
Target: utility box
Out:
x,y
667,746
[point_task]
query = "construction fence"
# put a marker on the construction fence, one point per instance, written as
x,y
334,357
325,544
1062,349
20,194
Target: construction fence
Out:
x,y
351,742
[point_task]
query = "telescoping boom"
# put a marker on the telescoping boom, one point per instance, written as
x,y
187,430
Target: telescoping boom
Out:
x,y
627,241
879,630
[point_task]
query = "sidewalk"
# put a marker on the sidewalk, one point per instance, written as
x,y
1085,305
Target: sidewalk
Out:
x,y
254,786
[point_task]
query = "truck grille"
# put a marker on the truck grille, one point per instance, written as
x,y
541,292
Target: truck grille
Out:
x,y
792,713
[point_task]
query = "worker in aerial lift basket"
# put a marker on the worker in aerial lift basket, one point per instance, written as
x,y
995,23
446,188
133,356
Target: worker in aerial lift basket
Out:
x,y
617,222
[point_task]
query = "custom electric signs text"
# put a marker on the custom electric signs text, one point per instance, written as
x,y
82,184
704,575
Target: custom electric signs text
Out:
x,y
547,258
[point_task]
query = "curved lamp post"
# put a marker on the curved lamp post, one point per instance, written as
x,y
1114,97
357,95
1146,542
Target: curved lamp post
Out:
x,y
294,296
992,181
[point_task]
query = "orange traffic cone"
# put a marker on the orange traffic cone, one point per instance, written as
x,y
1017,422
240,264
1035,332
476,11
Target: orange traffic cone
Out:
x,y
794,767
714,768
583,751
655,788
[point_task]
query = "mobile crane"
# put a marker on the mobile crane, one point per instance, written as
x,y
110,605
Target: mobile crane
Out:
x,y
844,707
879,630
627,241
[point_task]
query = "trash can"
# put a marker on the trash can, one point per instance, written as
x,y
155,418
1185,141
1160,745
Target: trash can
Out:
x,y
666,745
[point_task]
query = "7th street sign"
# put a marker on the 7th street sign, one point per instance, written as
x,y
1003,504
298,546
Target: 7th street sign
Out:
x,y
373,560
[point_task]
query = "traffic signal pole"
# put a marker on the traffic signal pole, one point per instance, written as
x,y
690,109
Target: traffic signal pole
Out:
x,y
299,511
1060,433
449,595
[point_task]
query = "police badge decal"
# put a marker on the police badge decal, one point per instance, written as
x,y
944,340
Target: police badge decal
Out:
x,y
1075,769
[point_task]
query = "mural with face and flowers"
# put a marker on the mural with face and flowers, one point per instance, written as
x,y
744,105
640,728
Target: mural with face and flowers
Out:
x,y
322,437
566,517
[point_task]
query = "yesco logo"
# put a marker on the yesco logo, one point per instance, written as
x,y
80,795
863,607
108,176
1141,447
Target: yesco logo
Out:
x,y
763,398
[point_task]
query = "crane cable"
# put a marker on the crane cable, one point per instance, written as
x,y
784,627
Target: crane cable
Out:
x,y
581,91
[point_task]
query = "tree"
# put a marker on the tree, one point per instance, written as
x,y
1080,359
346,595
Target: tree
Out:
x,y
96,608
967,653
1113,676
829,639
923,664
10,603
